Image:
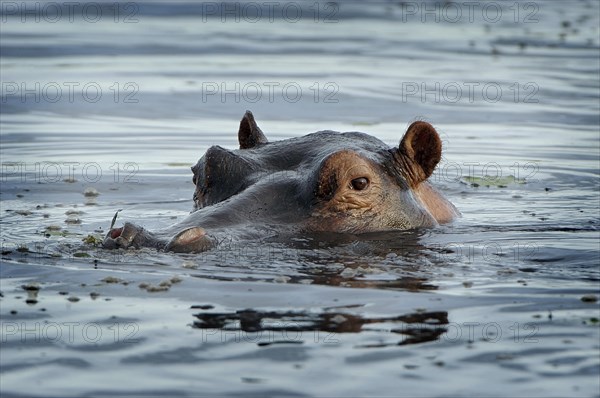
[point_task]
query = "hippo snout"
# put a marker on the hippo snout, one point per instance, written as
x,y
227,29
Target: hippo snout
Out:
x,y
129,235
189,240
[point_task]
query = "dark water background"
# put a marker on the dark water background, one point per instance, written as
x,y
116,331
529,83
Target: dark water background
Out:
x,y
106,106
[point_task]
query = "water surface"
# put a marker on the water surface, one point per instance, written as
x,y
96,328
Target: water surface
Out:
x,y
503,302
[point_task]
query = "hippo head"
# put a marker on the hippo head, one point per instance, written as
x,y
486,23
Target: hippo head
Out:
x,y
322,182
338,182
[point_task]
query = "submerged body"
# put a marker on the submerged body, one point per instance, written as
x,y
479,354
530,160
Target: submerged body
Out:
x,y
322,182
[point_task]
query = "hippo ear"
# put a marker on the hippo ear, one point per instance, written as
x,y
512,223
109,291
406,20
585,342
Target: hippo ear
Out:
x,y
422,146
250,134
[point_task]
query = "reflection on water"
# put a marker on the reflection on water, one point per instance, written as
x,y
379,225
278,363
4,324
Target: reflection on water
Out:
x,y
333,278
252,321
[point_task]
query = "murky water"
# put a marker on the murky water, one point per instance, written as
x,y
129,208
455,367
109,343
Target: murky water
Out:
x,y
107,111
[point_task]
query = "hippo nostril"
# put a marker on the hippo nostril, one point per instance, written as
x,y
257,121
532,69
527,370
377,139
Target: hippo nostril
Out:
x,y
115,233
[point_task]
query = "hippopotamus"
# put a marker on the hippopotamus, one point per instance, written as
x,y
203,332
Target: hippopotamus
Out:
x,y
323,182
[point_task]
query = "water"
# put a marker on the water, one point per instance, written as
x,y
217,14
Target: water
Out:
x,y
501,302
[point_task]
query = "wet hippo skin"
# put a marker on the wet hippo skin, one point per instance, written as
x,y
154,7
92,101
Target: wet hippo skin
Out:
x,y
322,182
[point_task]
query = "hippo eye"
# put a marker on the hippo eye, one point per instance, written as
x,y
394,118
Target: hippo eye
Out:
x,y
360,184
